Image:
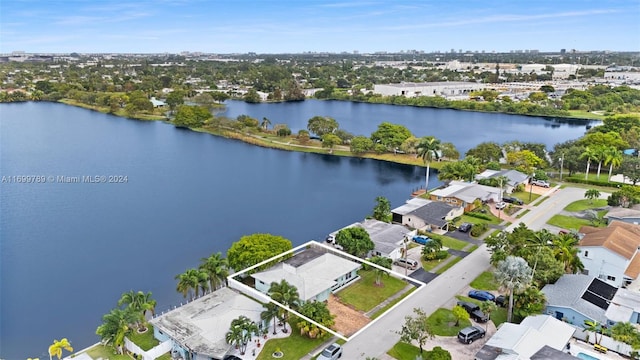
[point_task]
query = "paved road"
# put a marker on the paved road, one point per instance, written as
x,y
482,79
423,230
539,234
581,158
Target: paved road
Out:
x,y
382,335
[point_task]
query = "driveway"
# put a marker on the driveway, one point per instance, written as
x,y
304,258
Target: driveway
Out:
x,y
422,275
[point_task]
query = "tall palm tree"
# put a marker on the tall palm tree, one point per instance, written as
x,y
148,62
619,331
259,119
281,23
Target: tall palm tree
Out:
x,y
191,281
115,326
270,314
217,268
613,159
240,332
383,261
265,123
287,295
589,154
513,274
601,152
57,347
428,149
565,250
140,303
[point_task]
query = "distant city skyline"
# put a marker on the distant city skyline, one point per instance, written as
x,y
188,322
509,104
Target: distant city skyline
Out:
x,y
174,26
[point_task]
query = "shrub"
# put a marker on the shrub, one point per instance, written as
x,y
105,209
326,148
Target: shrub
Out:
x,y
479,216
436,255
479,229
591,182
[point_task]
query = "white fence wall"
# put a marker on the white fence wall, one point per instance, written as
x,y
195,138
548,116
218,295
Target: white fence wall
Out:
x,y
152,354
609,343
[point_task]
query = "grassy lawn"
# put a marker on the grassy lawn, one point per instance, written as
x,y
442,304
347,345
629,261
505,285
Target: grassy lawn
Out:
x,y
448,265
402,351
475,220
452,243
442,323
364,295
585,204
294,347
485,281
524,196
389,305
105,352
522,213
430,264
568,222
146,341
498,317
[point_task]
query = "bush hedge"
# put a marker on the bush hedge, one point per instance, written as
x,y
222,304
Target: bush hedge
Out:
x,y
479,215
592,182
436,255
479,229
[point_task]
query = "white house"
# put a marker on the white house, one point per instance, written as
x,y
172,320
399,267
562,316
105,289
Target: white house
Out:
x,y
198,328
419,213
611,254
314,272
443,88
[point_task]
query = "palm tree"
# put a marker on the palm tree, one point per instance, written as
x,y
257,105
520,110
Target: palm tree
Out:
x,y
433,245
115,326
240,333
514,274
613,159
601,152
565,250
271,314
217,268
265,123
285,294
140,303
191,281
594,327
488,307
589,154
383,261
428,149
57,347
592,194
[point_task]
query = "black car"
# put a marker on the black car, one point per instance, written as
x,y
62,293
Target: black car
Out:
x,y
512,200
464,227
501,301
474,311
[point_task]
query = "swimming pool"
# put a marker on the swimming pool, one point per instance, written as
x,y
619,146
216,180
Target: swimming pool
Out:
x,y
584,356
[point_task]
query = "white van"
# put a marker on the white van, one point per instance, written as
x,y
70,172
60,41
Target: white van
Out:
x,y
407,263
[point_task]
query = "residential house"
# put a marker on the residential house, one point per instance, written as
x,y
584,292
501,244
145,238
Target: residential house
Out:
x,y
315,272
513,178
575,298
624,307
464,194
388,239
524,340
611,253
628,215
198,328
423,214
157,103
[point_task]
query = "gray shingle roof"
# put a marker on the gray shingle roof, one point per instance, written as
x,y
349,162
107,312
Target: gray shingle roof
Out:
x,y
433,213
567,292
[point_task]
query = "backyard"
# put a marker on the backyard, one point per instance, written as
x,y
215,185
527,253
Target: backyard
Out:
x,y
364,294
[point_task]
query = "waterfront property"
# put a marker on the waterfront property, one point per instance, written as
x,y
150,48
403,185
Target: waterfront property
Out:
x,y
444,88
513,178
460,193
198,328
315,272
423,214
388,239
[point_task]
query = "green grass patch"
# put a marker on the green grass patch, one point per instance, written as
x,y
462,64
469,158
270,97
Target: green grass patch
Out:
x,y
404,351
485,281
474,220
442,323
472,248
105,352
568,222
522,213
430,264
583,114
146,341
390,304
452,243
524,196
585,204
165,356
448,265
364,295
294,347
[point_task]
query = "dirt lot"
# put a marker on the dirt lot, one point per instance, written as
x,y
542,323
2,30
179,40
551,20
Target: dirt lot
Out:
x,y
348,320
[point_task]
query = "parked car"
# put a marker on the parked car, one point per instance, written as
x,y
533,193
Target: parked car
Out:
x,y
501,205
540,183
470,334
512,200
482,295
501,300
231,357
474,311
331,352
465,227
407,263
421,239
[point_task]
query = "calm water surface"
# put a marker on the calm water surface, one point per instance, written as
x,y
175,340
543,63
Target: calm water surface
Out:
x,y
68,250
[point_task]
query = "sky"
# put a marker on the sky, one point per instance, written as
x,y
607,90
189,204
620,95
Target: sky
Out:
x,y
273,26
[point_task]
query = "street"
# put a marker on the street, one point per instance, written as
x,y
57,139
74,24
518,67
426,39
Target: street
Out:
x,y
382,335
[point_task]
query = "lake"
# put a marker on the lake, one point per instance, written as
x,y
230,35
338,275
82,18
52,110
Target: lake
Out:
x,y
69,249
